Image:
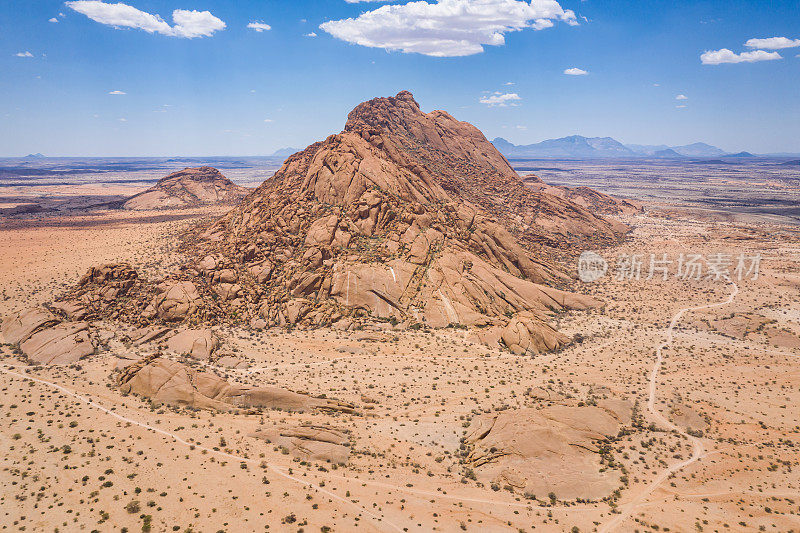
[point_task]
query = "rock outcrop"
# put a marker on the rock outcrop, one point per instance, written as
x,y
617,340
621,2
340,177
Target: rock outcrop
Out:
x,y
47,340
311,443
405,217
197,343
550,450
190,187
586,197
169,382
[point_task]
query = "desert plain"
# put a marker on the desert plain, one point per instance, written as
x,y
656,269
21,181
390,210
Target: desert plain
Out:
x,y
673,407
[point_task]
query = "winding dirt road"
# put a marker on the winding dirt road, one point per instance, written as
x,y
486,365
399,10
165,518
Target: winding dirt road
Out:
x,y
698,449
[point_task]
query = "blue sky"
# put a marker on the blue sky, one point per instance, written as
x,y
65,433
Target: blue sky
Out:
x,y
193,87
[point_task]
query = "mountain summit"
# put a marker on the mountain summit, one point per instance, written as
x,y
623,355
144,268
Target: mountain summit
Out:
x,y
408,217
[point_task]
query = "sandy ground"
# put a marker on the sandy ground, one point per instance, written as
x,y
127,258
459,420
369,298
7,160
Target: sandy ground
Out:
x,y
717,452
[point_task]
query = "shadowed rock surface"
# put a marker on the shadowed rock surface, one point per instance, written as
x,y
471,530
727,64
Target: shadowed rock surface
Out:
x,y
190,187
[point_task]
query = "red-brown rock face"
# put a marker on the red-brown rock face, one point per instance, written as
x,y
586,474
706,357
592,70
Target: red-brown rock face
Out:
x,y
404,216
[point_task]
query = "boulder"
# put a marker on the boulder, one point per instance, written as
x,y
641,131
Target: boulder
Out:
x,y
179,300
261,271
227,275
528,334
208,263
197,343
322,231
227,291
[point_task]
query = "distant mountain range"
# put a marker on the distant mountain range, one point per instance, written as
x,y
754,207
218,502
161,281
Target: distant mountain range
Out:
x,y
572,146
284,152
579,147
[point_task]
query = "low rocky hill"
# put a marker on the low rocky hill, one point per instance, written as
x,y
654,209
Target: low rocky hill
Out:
x,y
190,187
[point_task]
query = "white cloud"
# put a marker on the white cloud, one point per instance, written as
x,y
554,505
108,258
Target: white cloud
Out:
x,y
717,57
117,92
123,119
53,20
509,83
680,106
24,54
446,28
772,43
267,120
187,24
681,97
311,34
575,72
191,24
500,99
259,26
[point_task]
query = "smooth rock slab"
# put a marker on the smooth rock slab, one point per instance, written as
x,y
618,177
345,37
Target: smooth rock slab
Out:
x,y
173,383
540,451
19,327
60,345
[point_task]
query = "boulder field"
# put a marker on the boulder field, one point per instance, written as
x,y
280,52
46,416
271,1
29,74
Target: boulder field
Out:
x,y
404,217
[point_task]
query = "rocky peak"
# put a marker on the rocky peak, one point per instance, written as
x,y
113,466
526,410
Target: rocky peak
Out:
x,y
416,138
405,217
